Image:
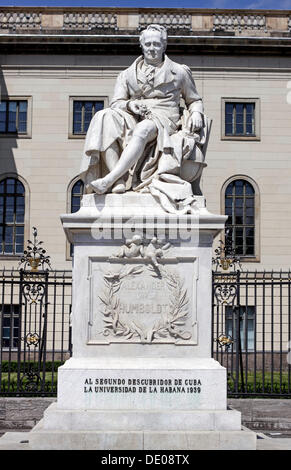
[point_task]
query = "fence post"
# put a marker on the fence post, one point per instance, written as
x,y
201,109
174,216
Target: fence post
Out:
x,y
19,331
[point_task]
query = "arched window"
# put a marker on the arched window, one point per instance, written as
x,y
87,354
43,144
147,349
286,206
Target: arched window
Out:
x,y
76,195
12,211
240,225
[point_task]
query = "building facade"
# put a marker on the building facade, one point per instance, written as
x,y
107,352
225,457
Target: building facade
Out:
x,y
59,66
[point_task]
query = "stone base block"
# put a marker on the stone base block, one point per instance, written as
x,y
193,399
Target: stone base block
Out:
x,y
132,420
145,430
152,384
42,439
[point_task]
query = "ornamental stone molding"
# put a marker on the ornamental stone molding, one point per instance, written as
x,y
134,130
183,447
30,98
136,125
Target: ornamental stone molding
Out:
x,y
90,21
173,22
231,22
20,20
186,22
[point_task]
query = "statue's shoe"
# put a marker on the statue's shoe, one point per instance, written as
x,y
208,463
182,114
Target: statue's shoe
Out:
x,y
118,188
100,186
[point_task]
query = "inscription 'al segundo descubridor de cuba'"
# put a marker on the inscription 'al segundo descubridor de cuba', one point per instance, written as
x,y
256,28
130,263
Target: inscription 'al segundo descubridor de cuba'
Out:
x,y
142,386
144,302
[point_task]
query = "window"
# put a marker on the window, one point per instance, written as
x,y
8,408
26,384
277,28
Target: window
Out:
x,y
83,112
246,325
240,119
14,117
76,195
12,211
82,109
10,325
240,225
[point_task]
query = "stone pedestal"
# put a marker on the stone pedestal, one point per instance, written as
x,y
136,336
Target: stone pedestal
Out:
x,y
141,375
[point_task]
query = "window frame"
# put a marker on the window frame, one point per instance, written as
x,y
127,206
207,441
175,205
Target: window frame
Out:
x,y
257,136
72,99
10,256
245,258
14,313
69,210
71,206
28,133
244,315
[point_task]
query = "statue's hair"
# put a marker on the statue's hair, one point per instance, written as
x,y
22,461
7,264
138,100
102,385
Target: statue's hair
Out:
x,y
156,27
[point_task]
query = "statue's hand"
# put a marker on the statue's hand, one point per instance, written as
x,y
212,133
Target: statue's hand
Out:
x,y
137,108
196,121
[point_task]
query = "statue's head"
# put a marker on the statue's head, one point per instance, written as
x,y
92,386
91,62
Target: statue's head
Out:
x,y
153,41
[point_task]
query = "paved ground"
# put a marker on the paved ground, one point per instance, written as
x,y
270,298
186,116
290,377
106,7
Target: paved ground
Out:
x,y
274,442
277,441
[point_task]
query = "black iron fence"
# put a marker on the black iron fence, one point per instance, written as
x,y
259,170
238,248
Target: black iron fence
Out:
x,y
35,330
251,331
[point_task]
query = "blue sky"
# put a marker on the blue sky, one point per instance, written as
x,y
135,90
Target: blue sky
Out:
x,y
252,4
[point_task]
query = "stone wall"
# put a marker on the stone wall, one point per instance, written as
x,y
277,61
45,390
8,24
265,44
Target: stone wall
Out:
x,y
264,414
257,414
22,413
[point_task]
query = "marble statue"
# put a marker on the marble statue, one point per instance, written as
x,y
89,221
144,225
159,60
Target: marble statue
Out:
x,y
145,140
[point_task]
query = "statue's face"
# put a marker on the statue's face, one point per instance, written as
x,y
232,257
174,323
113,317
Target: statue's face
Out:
x,y
152,46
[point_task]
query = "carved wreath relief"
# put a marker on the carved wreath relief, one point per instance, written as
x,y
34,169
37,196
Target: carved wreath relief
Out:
x,y
144,301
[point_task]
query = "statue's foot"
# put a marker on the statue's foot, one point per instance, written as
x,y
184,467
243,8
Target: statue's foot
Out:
x,y
100,186
119,187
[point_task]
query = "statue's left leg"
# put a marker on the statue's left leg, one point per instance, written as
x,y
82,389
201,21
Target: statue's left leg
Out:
x,y
144,132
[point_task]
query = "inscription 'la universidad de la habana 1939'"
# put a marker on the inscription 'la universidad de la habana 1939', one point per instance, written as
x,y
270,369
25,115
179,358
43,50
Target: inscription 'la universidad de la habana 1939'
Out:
x,y
142,386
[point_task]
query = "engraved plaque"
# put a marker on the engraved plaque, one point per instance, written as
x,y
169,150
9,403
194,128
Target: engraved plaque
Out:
x,y
138,302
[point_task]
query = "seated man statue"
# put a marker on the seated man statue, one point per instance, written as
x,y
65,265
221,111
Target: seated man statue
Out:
x,y
147,142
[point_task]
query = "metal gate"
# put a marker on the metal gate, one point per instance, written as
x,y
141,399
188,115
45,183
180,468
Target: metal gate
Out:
x,y
251,326
35,332
252,331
